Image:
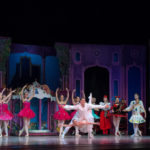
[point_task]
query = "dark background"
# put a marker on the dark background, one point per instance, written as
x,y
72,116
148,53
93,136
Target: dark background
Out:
x,y
105,23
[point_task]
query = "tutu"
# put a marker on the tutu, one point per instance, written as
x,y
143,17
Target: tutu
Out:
x,y
7,112
118,115
26,111
61,114
117,112
136,119
136,115
3,113
72,114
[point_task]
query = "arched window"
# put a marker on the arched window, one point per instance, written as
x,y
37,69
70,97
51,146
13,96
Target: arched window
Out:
x,y
115,58
77,57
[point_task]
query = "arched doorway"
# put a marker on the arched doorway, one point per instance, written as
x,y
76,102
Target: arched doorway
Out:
x,y
96,80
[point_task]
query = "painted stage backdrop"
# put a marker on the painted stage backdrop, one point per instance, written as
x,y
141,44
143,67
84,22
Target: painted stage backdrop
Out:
x,y
113,70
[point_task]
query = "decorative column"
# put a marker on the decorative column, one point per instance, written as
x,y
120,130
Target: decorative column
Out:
x,y
40,118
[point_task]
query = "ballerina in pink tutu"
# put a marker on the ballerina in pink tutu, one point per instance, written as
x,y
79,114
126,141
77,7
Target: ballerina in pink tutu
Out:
x,y
3,115
61,115
8,115
26,113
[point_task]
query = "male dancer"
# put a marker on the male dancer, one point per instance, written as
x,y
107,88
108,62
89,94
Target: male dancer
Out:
x,y
84,114
76,116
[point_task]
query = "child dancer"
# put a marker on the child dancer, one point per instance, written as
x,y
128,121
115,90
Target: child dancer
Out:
x,y
116,112
61,115
105,123
137,108
7,113
26,113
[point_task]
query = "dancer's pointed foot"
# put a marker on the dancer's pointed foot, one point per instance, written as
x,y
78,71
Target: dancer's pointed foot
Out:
x,y
140,133
27,135
132,135
6,135
90,136
77,135
0,135
20,132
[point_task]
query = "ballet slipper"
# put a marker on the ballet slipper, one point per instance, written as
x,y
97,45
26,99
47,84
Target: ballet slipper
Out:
x,y
119,133
20,132
77,135
6,135
0,135
90,136
140,133
27,135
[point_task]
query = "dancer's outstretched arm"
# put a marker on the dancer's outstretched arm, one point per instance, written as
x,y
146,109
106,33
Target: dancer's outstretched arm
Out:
x,y
70,107
3,91
22,97
67,96
83,94
73,101
32,94
57,99
8,96
91,106
130,108
90,99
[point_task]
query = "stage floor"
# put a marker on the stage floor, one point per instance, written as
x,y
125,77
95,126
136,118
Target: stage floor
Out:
x,y
72,143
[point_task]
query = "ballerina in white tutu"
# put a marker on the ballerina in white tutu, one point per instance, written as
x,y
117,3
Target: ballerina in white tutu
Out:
x,y
137,108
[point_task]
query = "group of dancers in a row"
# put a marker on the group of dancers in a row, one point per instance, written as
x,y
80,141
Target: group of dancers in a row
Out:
x,y
82,118
6,115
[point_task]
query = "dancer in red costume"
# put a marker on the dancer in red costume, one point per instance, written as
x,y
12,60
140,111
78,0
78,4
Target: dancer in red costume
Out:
x,y
105,123
26,113
61,115
117,115
8,115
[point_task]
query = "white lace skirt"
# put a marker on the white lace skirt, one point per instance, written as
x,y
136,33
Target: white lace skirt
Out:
x,y
138,119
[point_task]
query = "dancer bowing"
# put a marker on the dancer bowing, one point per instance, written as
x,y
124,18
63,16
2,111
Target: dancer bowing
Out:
x,y
105,122
61,115
8,114
83,110
116,113
26,113
137,108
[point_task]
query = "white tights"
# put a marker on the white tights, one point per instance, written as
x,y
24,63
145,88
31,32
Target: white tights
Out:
x,y
60,123
0,128
26,123
136,129
116,122
6,127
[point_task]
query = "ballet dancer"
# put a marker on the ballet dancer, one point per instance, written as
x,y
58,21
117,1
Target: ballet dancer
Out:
x,y
6,111
137,108
73,115
4,116
93,110
83,110
116,113
61,115
26,113
105,122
